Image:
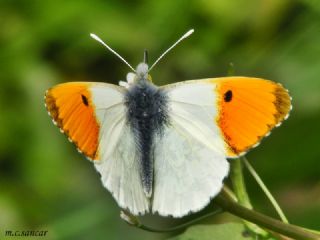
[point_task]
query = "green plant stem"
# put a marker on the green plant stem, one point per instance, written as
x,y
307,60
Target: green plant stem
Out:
x,y
264,221
238,183
265,190
240,190
229,193
138,224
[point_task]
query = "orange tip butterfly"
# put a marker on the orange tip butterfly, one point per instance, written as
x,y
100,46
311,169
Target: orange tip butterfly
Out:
x,y
164,149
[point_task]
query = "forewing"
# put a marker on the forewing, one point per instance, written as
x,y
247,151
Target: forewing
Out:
x,y
241,110
79,108
249,109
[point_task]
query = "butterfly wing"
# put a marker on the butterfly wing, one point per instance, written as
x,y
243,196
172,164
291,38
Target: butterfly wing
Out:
x,y
249,109
187,173
120,173
204,129
246,109
92,115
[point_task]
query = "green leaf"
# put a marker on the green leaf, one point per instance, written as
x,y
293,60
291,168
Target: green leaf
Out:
x,y
234,231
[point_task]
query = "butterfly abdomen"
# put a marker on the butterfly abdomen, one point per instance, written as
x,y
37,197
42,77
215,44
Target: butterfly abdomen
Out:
x,y
146,115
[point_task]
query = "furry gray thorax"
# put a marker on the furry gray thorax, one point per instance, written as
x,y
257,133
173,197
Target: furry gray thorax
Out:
x,y
147,115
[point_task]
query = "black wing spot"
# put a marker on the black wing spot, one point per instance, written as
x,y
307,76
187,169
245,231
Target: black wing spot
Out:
x,y
85,100
228,96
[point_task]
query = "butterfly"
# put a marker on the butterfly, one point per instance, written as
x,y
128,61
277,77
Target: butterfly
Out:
x,y
164,149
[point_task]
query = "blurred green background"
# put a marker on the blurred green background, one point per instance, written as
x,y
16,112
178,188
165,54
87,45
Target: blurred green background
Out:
x,y
45,184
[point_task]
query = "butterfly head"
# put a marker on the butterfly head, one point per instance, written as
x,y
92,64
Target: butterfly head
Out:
x,y
141,74
142,71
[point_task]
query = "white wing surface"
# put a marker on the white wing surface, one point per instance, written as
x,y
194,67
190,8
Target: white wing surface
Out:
x,y
190,156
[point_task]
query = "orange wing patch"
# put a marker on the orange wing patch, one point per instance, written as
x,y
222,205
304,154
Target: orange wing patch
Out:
x,y
248,109
71,108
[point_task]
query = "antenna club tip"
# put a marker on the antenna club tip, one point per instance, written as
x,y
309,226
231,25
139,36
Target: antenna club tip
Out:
x,y
188,33
93,36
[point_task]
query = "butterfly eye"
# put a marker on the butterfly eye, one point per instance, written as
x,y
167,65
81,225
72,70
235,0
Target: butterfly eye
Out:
x,y
228,96
84,100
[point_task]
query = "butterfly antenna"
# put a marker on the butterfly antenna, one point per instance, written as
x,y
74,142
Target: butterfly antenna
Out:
x,y
95,37
187,34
